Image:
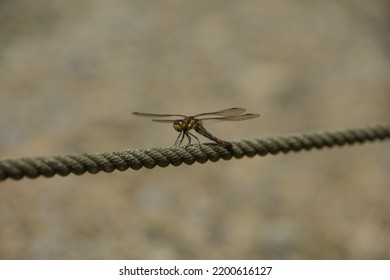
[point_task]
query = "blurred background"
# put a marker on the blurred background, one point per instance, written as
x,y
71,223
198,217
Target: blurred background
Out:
x,y
71,73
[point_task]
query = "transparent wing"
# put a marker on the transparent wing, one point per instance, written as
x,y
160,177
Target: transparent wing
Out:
x,y
163,121
150,115
230,118
226,112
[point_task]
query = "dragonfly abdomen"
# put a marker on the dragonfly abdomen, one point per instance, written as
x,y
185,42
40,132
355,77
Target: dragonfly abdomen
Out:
x,y
201,130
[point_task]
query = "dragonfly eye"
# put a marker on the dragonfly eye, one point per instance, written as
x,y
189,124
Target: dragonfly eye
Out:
x,y
178,125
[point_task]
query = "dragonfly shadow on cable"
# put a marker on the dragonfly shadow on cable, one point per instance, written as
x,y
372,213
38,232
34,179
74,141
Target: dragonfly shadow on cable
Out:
x,y
196,122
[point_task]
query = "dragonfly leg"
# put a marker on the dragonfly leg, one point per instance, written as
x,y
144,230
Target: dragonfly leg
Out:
x,y
188,137
197,139
179,138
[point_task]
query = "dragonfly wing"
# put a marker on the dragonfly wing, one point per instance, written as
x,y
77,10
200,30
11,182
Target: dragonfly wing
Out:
x,y
230,118
156,115
241,117
163,121
226,112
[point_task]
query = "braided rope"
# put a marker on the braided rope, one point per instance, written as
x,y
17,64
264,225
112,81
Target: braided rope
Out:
x,y
78,164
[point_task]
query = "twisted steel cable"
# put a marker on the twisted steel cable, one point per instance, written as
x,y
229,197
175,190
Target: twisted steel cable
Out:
x,y
78,164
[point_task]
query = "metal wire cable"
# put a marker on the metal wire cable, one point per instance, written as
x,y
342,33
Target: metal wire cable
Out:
x,y
33,167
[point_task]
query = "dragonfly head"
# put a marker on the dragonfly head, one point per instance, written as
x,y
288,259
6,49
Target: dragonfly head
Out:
x,y
179,125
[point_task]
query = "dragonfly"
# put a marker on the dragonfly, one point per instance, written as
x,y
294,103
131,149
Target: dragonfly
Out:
x,y
186,123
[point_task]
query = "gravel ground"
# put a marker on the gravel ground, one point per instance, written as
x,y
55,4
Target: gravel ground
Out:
x,y
71,73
